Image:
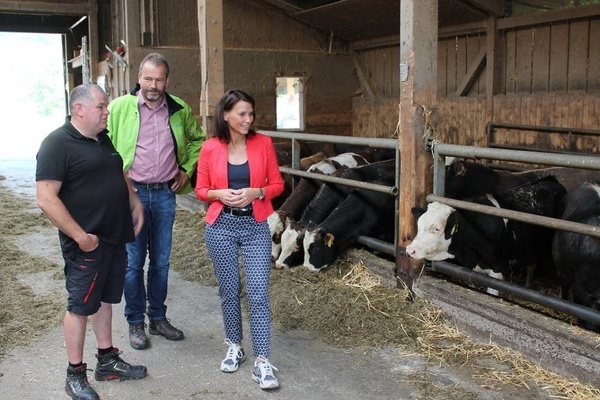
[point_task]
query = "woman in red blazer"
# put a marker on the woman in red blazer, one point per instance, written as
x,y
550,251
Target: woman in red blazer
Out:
x,y
238,175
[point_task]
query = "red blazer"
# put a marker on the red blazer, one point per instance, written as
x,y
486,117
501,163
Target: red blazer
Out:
x,y
264,172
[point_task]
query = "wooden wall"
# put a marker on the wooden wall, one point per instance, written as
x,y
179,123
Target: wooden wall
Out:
x,y
262,44
549,77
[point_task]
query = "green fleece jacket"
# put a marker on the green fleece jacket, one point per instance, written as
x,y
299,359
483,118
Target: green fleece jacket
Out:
x,y
124,126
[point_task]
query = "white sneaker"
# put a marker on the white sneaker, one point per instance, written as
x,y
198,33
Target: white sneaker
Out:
x,y
234,356
262,373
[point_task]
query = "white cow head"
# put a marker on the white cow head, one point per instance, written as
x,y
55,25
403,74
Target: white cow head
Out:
x,y
276,228
290,239
431,242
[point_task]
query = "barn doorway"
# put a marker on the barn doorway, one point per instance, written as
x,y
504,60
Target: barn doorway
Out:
x,y
34,102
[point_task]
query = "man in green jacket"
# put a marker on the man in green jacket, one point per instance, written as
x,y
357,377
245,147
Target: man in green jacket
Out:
x,y
159,139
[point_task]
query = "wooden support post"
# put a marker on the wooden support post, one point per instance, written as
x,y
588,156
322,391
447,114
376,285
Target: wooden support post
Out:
x,y
494,52
210,25
418,88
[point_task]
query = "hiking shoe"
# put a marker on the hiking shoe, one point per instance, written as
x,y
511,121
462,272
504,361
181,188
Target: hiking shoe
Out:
x,y
262,373
233,358
164,328
137,336
111,366
77,385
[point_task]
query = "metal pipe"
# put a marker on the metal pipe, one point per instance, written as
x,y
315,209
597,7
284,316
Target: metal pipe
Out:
x,y
521,292
530,157
536,128
391,190
379,245
554,223
312,137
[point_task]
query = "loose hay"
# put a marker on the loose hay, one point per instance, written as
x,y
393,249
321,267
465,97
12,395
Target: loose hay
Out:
x,y
24,315
345,305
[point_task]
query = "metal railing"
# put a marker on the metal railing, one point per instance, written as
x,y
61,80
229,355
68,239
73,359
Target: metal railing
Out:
x,y
561,160
570,133
297,137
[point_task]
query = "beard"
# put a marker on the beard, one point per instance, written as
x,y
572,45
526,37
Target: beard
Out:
x,y
152,95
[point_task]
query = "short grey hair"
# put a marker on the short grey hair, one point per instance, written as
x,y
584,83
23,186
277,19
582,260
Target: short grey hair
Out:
x,y
155,59
82,94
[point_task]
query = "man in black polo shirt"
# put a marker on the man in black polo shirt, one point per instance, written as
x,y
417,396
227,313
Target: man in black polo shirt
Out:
x,y
82,189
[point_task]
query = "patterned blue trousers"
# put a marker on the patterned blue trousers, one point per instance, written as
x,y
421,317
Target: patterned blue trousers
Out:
x,y
225,239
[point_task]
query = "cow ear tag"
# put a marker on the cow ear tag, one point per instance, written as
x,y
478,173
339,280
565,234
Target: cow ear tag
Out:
x,y
454,229
329,240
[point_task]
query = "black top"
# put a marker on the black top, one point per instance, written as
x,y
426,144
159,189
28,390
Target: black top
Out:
x,y
93,188
238,175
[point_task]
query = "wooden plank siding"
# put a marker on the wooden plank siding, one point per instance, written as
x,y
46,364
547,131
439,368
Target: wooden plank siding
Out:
x,y
461,120
178,23
551,78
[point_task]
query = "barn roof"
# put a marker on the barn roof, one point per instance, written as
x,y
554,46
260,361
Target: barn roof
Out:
x,y
350,20
355,20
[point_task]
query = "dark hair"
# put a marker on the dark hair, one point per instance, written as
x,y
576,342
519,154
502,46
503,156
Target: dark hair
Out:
x,y
156,59
229,99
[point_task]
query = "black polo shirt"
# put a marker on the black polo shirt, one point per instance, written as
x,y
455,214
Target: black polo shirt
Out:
x,y
93,188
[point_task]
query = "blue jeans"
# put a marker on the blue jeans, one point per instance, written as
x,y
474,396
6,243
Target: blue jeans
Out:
x,y
154,240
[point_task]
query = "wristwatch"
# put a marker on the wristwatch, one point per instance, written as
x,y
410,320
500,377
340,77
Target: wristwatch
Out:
x,y
261,195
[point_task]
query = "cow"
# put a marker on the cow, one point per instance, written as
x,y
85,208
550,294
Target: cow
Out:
x,y
295,203
305,164
344,160
464,179
362,213
292,207
577,256
326,199
487,243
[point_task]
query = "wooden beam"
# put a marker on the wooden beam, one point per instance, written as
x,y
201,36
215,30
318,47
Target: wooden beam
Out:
x,y
547,17
93,51
362,77
40,7
472,74
418,91
212,64
493,7
494,60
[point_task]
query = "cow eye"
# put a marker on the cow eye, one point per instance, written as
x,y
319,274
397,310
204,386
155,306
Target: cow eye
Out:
x,y
437,229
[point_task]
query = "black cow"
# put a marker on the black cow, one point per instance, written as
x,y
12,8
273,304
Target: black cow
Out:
x,y
297,200
577,256
326,199
487,243
363,213
467,179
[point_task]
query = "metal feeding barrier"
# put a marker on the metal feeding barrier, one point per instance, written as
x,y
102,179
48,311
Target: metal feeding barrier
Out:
x,y
296,137
528,157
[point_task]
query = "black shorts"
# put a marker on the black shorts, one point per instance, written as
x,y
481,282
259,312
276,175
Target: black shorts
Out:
x,y
94,277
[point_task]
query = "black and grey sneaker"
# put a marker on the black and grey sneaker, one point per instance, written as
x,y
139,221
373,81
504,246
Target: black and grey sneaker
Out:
x,y
111,366
263,374
233,358
77,385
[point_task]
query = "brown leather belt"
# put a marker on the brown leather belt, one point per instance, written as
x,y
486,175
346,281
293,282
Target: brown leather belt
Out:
x,y
238,212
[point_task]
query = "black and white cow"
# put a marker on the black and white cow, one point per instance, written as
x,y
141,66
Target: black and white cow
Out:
x,y
304,192
362,213
324,202
577,256
486,243
291,208
466,179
